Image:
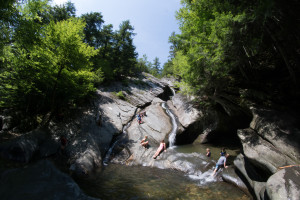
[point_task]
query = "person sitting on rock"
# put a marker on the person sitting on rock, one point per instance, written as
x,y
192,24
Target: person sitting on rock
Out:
x,y
221,162
145,142
208,153
161,147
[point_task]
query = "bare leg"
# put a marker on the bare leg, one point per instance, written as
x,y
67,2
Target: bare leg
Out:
x,y
156,153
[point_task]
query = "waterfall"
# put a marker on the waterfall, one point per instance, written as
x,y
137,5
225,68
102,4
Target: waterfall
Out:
x,y
172,135
119,138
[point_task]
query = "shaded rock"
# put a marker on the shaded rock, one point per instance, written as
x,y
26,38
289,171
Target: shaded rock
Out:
x,y
188,117
279,129
261,152
253,179
23,148
211,124
82,150
230,176
39,181
285,184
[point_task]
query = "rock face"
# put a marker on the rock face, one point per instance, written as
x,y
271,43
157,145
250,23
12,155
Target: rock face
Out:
x,y
280,129
261,152
89,130
39,181
253,179
211,124
271,142
156,125
285,184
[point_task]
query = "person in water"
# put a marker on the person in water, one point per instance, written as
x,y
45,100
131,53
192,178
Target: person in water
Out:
x,y
144,142
208,153
162,147
221,162
223,152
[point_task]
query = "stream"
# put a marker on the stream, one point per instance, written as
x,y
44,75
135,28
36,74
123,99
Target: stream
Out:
x,y
116,181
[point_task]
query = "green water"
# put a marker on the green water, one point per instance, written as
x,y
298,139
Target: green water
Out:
x,y
137,182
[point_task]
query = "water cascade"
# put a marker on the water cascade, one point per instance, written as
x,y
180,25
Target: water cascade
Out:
x,y
172,135
118,139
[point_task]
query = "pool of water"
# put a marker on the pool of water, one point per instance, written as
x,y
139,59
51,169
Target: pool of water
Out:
x,y
136,182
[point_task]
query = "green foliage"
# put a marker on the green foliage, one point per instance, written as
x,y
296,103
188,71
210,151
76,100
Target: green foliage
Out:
x,y
54,70
50,59
121,95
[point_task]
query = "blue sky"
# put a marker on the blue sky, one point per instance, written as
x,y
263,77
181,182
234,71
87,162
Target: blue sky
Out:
x,y
153,21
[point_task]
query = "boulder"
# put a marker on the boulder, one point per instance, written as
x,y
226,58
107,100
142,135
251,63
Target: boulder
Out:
x,y
252,179
39,181
285,184
261,152
279,129
230,175
188,118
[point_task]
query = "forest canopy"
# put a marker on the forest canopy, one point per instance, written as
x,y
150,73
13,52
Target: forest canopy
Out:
x,y
246,49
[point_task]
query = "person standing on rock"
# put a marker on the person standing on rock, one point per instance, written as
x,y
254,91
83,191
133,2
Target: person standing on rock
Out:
x,y
221,162
145,142
161,147
139,118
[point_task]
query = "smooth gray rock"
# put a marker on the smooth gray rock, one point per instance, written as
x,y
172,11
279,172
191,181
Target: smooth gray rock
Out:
x,y
157,126
285,184
39,181
230,176
279,129
254,180
261,152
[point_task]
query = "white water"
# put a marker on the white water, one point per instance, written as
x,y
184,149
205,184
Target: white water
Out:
x,y
172,135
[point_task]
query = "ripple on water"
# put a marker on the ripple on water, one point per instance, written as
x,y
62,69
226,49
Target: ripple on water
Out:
x,y
136,182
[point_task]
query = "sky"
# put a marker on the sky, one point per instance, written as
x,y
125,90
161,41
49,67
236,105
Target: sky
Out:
x,y
153,21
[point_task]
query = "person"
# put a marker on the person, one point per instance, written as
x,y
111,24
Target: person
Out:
x,y
139,118
162,147
208,153
144,142
63,142
223,152
221,162
143,114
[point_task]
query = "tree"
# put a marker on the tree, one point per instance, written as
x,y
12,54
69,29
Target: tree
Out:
x,y
143,65
93,29
124,55
156,71
62,12
53,71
